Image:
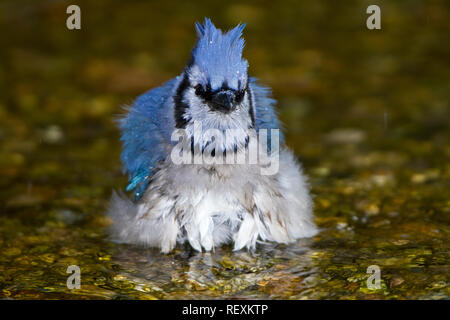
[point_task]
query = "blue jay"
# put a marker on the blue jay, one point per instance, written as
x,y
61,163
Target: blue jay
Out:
x,y
207,205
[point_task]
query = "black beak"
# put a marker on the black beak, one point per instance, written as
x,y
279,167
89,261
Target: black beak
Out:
x,y
223,101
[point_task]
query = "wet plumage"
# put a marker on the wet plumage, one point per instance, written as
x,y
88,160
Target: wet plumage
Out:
x,y
207,205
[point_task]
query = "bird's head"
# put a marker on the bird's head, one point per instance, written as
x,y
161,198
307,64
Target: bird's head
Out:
x,y
214,89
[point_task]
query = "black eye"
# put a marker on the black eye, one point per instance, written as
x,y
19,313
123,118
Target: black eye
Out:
x,y
240,95
199,90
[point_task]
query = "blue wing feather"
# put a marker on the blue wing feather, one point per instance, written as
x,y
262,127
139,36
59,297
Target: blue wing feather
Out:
x,y
145,136
265,114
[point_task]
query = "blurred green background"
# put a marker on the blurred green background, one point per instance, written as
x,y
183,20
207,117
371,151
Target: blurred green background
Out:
x,y
366,111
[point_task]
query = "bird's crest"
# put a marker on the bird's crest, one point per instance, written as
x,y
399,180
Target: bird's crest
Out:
x,y
218,56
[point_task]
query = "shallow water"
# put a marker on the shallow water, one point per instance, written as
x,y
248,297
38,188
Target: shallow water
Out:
x,y
365,111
